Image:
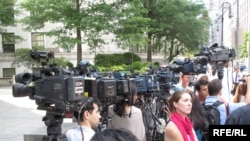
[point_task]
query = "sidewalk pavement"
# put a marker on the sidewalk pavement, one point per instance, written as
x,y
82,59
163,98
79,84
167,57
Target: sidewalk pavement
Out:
x,y
19,117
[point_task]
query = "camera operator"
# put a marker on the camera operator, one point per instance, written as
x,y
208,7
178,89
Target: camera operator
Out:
x,y
183,84
224,73
88,117
124,115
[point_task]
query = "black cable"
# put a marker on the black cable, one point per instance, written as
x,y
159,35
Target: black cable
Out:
x,y
82,133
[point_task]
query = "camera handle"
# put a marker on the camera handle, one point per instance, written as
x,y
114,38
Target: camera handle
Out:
x,y
53,120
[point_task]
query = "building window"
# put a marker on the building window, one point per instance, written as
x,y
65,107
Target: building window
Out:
x,y
9,72
8,42
37,39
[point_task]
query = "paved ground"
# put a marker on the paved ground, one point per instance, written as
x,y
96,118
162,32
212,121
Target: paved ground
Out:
x,y
20,117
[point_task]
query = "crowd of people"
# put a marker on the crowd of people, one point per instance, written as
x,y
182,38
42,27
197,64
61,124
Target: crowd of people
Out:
x,y
186,118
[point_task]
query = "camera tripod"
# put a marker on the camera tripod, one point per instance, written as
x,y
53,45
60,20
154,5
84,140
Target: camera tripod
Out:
x,y
151,118
53,120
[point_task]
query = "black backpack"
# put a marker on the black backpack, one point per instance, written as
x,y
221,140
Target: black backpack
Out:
x,y
212,116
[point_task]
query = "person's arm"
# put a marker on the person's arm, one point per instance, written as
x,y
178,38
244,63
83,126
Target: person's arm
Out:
x,y
236,97
172,133
247,99
195,137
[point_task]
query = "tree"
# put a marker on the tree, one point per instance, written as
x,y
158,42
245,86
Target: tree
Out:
x,y
170,26
81,21
181,30
6,14
131,25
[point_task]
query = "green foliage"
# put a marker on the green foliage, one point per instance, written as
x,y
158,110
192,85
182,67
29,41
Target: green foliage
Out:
x,y
22,58
60,62
104,60
156,64
118,59
7,12
69,64
243,48
131,25
102,69
137,65
184,31
130,58
146,64
109,60
75,17
170,27
117,68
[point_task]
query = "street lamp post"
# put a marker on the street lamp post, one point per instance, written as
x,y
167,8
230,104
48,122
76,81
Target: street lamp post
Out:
x,y
237,36
225,5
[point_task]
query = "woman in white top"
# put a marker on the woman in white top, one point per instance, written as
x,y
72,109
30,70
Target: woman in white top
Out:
x,y
124,115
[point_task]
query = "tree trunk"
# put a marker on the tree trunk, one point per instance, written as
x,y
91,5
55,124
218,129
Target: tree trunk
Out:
x,y
79,45
170,57
78,36
149,51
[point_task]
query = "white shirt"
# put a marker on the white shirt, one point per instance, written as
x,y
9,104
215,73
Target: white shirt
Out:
x,y
237,76
75,134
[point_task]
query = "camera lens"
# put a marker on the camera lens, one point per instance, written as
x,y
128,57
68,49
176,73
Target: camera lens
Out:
x,y
24,78
20,90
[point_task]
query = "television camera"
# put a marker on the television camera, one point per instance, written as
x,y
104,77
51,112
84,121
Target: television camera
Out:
x,y
54,89
61,91
216,56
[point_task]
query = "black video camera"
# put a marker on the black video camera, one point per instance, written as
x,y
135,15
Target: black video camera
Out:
x,y
51,85
189,67
216,53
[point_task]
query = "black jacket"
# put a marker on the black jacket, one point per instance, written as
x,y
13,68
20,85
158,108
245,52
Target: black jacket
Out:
x,y
239,116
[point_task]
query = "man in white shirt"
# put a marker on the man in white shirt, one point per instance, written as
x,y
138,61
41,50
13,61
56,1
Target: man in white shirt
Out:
x,y
88,117
183,84
237,75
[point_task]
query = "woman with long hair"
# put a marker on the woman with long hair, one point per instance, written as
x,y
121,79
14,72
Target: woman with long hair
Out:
x,y
198,118
180,127
124,115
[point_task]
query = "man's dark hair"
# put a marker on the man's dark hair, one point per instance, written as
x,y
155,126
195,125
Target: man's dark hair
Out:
x,y
114,135
200,83
85,106
214,86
